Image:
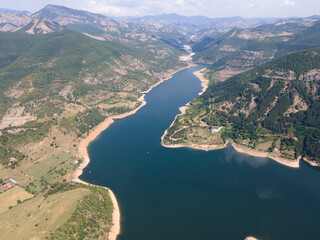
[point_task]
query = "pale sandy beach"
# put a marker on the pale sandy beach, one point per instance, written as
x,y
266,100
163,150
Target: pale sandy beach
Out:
x,y
312,163
204,81
196,146
257,153
251,238
83,153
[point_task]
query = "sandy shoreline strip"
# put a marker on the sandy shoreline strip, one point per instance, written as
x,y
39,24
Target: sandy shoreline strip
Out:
x,y
251,238
196,146
204,83
312,163
257,153
83,153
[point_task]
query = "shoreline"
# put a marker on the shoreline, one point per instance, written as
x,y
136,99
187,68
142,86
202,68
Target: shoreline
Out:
x,y
242,149
115,229
196,146
83,153
257,153
236,147
205,84
312,163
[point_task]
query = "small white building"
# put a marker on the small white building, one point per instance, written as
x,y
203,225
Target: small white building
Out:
x,y
215,129
13,181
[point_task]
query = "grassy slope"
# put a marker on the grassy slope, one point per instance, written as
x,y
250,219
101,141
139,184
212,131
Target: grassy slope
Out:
x,y
50,213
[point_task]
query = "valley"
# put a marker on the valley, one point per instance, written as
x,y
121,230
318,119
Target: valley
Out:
x,y
67,74
56,86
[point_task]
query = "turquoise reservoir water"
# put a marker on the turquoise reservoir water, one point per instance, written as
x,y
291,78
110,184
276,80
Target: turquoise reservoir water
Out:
x,y
184,194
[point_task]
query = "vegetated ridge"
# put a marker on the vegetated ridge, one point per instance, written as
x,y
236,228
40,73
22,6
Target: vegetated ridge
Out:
x,y
272,108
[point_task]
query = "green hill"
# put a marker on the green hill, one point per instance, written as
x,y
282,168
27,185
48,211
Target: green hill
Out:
x,y
47,64
43,75
272,106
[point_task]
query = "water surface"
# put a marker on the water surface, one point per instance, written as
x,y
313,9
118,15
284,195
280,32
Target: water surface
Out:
x,y
184,194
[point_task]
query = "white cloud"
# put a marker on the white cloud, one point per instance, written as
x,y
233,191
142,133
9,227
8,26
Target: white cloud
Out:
x,y
289,3
179,2
211,8
108,9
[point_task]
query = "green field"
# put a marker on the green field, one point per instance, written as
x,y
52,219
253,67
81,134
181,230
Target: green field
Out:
x,y
41,169
35,218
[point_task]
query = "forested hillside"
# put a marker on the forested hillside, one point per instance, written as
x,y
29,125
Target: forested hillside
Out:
x,y
41,76
71,65
275,107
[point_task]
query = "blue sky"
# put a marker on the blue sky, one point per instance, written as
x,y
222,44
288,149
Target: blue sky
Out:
x,y
210,8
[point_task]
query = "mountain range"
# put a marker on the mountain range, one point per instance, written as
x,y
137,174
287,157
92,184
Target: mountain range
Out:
x,y
53,17
64,71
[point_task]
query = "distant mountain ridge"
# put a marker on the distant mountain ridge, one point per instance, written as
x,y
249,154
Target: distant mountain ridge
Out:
x,y
142,28
58,17
242,49
269,37
173,29
200,26
6,10
11,20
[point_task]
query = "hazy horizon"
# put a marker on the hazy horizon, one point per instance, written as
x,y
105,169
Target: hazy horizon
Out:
x,y
212,9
